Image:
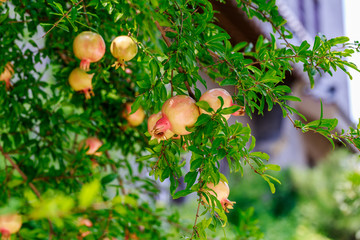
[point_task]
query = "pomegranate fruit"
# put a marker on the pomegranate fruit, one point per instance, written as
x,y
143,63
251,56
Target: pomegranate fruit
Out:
x,y
124,49
134,119
85,222
89,47
79,80
222,192
7,74
211,97
93,143
151,123
130,236
9,224
178,112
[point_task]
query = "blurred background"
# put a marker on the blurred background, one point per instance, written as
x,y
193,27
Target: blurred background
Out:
x,y
319,197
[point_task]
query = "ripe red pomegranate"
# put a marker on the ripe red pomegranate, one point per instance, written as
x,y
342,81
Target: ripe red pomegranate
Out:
x,y
79,80
124,49
7,74
93,143
9,224
89,47
136,118
177,113
222,192
211,97
151,123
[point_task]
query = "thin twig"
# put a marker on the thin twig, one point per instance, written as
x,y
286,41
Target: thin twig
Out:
x,y
196,218
180,69
65,15
271,22
86,16
13,163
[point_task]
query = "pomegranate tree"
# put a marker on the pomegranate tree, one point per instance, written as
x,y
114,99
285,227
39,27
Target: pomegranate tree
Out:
x,y
212,98
79,80
221,191
134,119
178,113
124,49
89,47
9,224
7,74
151,123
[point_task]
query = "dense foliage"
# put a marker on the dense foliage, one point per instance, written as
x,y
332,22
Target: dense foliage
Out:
x,y
46,172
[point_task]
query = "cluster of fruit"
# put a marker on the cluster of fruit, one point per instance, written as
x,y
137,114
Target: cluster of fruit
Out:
x,y
90,47
180,112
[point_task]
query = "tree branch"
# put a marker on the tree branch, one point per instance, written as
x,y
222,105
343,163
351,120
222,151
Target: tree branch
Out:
x,y
65,15
196,218
180,69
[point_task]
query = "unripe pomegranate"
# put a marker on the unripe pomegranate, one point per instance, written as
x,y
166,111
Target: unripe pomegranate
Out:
x,y
93,144
211,97
124,49
136,118
89,47
177,113
6,75
151,123
222,192
9,224
79,80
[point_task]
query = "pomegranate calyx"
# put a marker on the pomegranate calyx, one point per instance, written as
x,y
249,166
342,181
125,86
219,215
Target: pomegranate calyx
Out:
x,y
240,112
161,126
88,93
4,232
227,204
119,63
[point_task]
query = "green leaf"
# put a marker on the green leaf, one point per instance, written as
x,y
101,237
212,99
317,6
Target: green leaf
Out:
x,y
190,179
261,155
204,105
273,167
182,193
239,46
154,69
117,16
229,82
230,110
202,119
108,178
290,98
88,193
